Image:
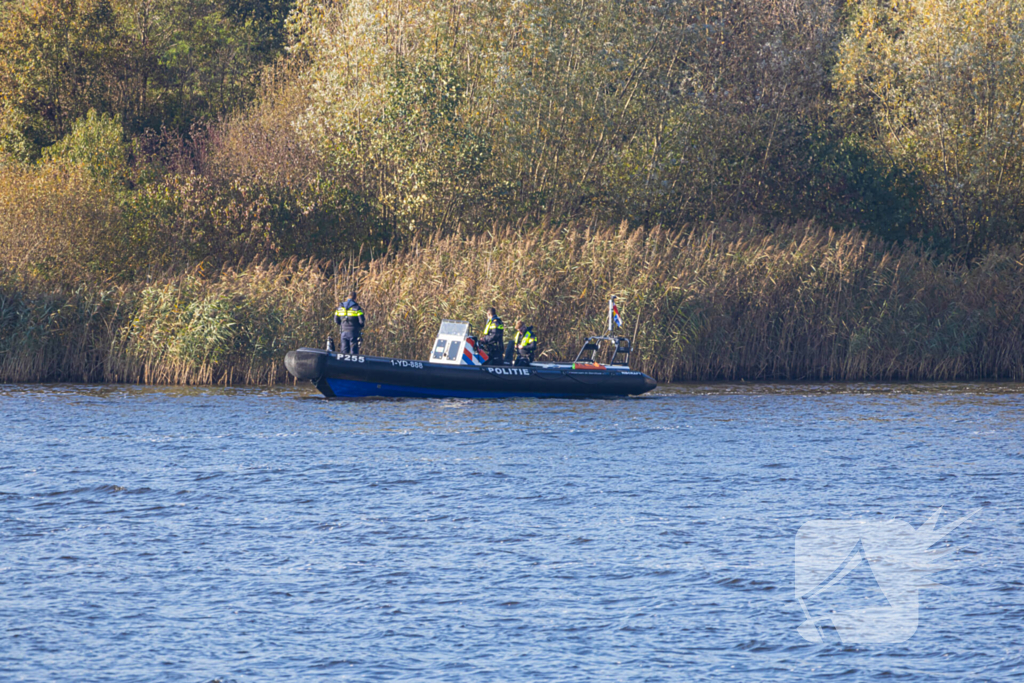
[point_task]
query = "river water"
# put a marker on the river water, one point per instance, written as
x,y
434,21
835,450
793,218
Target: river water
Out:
x,y
152,534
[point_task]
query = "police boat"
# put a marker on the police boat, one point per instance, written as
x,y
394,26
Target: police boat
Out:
x,y
458,369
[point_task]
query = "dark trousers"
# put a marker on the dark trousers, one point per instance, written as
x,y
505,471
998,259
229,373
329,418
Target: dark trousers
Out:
x,y
494,352
349,343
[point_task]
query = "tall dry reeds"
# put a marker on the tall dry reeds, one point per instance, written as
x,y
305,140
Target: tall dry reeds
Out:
x,y
800,303
226,327
797,303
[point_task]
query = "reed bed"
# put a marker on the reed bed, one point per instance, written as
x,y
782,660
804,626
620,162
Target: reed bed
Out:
x,y
798,303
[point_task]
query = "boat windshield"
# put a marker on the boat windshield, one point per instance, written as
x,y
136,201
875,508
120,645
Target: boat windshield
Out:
x,y
454,328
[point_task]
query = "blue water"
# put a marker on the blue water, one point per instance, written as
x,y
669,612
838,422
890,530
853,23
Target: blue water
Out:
x,y
253,535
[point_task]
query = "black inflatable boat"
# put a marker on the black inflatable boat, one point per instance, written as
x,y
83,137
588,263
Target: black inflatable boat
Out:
x,y
457,369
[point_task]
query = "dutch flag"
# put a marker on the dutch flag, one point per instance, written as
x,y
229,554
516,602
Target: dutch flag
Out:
x,y
615,316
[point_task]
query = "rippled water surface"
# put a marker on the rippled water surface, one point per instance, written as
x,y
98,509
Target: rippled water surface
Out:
x,y
249,535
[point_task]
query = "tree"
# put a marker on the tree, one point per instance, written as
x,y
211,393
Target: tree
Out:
x,y
153,63
935,85
54,63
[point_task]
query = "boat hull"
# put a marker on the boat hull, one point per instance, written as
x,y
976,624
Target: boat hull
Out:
x,y
350,376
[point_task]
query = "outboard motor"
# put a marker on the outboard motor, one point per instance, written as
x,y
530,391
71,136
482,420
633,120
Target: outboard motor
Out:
x,y
455,346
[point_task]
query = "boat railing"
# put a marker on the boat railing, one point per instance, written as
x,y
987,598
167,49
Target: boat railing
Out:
x,y
618,349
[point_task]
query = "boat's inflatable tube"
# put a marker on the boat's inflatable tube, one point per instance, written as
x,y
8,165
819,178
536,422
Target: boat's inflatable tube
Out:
x,y
349,376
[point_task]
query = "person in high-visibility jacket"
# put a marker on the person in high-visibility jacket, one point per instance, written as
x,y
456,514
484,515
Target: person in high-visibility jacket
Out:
x,y
493,339
525,344
350,319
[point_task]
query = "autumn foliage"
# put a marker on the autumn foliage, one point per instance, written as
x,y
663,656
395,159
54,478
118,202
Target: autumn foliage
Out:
x,y
146,141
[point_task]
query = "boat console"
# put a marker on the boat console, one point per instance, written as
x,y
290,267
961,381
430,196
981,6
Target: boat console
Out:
x,y
455,346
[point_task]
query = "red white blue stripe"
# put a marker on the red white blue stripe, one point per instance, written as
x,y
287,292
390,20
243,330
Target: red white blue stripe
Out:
x,y
471,356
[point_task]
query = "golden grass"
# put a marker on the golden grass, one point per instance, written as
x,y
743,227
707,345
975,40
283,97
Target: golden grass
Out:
x,y
799,303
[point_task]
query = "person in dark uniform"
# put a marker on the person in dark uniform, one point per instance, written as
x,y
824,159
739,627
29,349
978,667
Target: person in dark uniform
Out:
x,y
350,320
525,344
493,339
